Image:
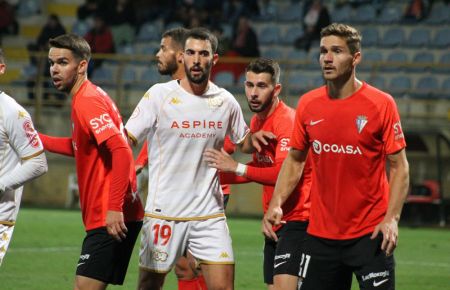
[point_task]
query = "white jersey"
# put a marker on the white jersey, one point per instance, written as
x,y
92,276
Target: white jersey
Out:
x,y
18,141
179,126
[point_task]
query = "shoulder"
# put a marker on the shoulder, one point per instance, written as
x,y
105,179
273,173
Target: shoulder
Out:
x,y
161,89
9,106
312,96
378,97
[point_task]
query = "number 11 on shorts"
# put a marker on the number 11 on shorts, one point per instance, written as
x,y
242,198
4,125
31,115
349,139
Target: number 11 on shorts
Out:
x,y
163,232
304,265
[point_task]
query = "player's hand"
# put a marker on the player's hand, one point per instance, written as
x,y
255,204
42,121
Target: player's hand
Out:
x,y
261,137
389,229
138,168
115,225
271,218
220,160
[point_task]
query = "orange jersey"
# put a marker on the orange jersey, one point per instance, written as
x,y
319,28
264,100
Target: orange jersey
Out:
x,y
348,140
272,155
95,119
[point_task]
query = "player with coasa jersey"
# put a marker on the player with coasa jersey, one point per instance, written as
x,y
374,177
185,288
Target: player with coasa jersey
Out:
x,y
281,251
350,129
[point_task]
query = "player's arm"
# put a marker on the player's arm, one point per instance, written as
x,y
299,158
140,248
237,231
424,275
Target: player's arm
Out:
x,y
288,178
398,183
121,162
60,145
225,163
30,168
252,141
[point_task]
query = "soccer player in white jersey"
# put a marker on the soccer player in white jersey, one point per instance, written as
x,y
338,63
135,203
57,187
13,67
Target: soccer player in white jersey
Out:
x,y
22,159
184,210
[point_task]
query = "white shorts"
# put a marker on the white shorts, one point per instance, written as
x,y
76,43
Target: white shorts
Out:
x,y
163,242
5,237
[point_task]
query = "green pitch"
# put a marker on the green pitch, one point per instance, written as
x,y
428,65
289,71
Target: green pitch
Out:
x,y
46,245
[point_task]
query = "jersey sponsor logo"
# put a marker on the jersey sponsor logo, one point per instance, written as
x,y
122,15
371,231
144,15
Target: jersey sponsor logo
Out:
x,y
318,148
398,131
101,123
361,122
159,255
197,124
264,158
197,135
31,134
378,283
285,256
373,275
215,102
284,144
22,114
312,123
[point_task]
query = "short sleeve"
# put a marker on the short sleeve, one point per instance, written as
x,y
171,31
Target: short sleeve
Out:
x,y
299,136
95,114
393,137
22,135
283,131
144,116
238,129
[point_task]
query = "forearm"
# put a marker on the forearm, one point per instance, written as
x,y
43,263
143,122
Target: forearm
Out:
x,y
263,175
232,178
398,183
246,146
60,145
28,170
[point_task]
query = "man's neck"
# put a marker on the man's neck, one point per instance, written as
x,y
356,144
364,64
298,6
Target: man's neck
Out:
x,y
341,89
77,85
195,89
266,113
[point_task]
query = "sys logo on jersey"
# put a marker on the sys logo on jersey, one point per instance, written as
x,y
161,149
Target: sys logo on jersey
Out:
x,y
318,148
284,144
398,132
31,133
101,123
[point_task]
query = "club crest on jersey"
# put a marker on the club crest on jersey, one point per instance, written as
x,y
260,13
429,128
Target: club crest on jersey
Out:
x,y
22,114
175,101
215,102
361,122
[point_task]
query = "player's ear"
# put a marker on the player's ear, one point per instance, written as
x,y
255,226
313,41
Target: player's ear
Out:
x,y
83,66
277,89
2,68
179,57
357,58
215,58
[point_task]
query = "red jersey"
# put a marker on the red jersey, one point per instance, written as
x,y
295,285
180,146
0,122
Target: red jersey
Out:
x,y
95,119
349,140
229,147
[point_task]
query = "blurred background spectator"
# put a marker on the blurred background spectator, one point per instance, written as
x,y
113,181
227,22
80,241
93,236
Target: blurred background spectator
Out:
x,y
315,18
100,39
8,21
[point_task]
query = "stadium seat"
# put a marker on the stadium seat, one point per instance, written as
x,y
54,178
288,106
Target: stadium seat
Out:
x,y
295,58
224,79
377,81
396,60
269,34
441,38
103,75
129,75
400,85
290,13
370,36
418,37
443,66
291,34
273,53
365,14
149,77
27,8
299,82
390,14
439,13
426,87
342,14
445,89
80,27
149,31
424,59
370,58
393,37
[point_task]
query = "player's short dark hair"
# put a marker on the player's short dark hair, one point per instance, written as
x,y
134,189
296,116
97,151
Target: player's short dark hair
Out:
x,y
203,34
352,35
75,43
265,65
178,35
2,57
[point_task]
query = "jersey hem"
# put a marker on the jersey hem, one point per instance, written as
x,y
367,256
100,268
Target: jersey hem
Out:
x,y
199,218
7,223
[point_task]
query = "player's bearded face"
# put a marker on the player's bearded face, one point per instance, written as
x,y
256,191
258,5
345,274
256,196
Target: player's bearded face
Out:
x,y
259,91
63,68
198,60
335,58
166,57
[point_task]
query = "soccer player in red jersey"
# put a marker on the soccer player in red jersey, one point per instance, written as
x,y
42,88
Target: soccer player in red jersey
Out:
x,y
281,251
351,129
111,209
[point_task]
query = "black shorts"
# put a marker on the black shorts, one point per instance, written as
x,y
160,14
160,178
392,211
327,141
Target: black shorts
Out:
x,y
327,263
105,259
226,198
283,257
